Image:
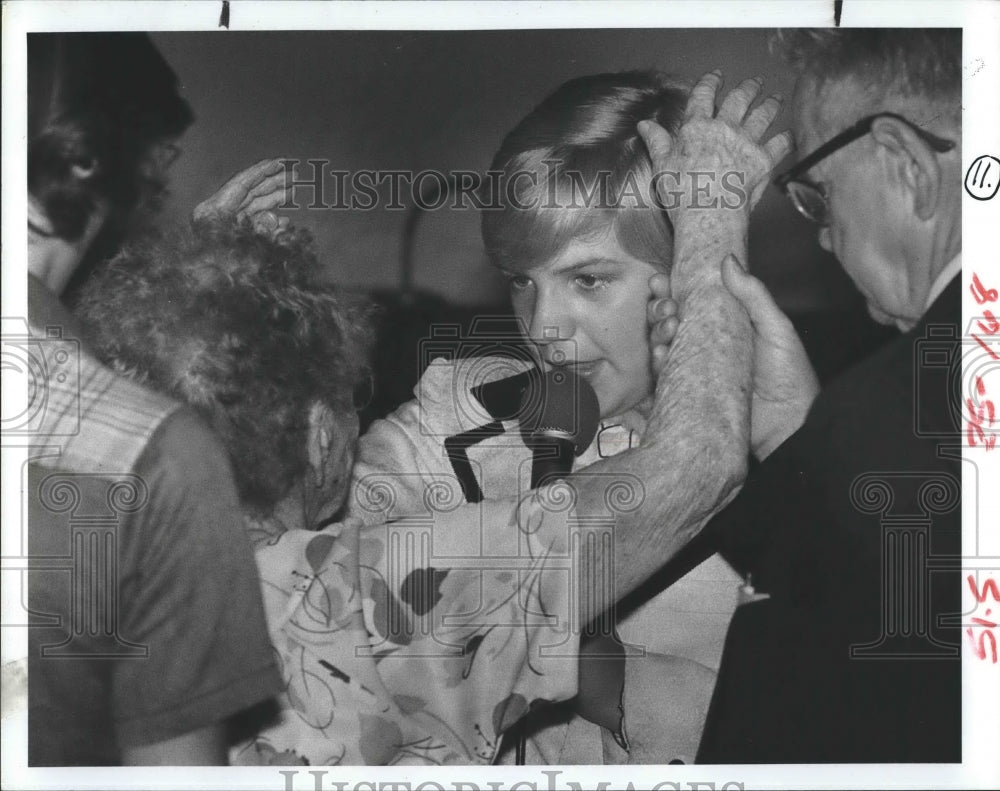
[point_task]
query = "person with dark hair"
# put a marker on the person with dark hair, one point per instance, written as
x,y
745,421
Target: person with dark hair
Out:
x,y
234,321
845,654
104,117
406,634
147,629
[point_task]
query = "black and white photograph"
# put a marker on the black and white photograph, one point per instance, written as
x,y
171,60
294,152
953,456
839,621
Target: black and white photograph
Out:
x,y
456,395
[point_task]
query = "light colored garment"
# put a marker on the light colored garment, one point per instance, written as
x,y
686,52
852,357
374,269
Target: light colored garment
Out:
x,y
400,645
459,619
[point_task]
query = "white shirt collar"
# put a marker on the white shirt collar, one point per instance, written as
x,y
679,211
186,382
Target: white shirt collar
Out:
x,y
952,268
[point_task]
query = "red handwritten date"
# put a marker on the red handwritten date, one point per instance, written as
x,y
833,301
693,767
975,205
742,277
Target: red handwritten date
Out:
x,y
986,626
982,411
990,325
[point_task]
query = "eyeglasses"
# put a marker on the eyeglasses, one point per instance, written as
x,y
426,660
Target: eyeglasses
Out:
x,y
811,199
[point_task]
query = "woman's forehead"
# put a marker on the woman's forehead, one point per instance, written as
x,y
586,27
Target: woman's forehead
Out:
x,y
581,253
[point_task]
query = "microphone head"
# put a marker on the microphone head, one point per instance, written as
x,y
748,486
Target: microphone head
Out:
x,y
562,405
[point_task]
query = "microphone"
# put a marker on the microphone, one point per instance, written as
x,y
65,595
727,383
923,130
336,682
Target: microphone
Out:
x,y
558,421
559,414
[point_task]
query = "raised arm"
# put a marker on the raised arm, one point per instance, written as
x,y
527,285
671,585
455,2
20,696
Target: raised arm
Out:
x,y
694,452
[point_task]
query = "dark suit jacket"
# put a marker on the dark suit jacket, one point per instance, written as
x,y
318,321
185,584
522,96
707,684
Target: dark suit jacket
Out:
x,y
853,526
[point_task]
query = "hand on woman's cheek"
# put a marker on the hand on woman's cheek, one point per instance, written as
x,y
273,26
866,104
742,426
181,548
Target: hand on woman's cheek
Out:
x,y
585,309
662,315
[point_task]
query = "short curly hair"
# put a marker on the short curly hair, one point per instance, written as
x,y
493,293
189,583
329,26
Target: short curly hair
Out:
x,y
236,324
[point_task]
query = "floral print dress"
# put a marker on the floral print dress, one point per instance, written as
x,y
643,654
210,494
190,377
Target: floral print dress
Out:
x,y
441,611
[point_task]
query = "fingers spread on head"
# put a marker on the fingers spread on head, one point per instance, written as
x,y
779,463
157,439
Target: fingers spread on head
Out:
x,y
658,142
762,117
702,100
229,195
275,183
265,222
265,168
779,147
734,107
271,200
248,177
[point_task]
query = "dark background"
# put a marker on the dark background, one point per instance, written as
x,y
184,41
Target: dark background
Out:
x,y
443,100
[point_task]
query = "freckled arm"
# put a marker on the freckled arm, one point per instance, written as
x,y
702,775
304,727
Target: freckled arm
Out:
x,y
693,456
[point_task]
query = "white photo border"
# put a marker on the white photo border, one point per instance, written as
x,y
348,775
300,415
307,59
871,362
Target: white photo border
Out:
x,y
981,135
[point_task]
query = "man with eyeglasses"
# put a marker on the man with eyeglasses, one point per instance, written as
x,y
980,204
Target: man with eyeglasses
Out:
x,y
847,527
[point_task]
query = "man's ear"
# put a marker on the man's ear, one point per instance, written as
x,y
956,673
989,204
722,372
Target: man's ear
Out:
x,y
914,163
319,440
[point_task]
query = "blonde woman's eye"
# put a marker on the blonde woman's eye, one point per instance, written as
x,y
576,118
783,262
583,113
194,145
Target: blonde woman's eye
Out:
x,y
591,282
